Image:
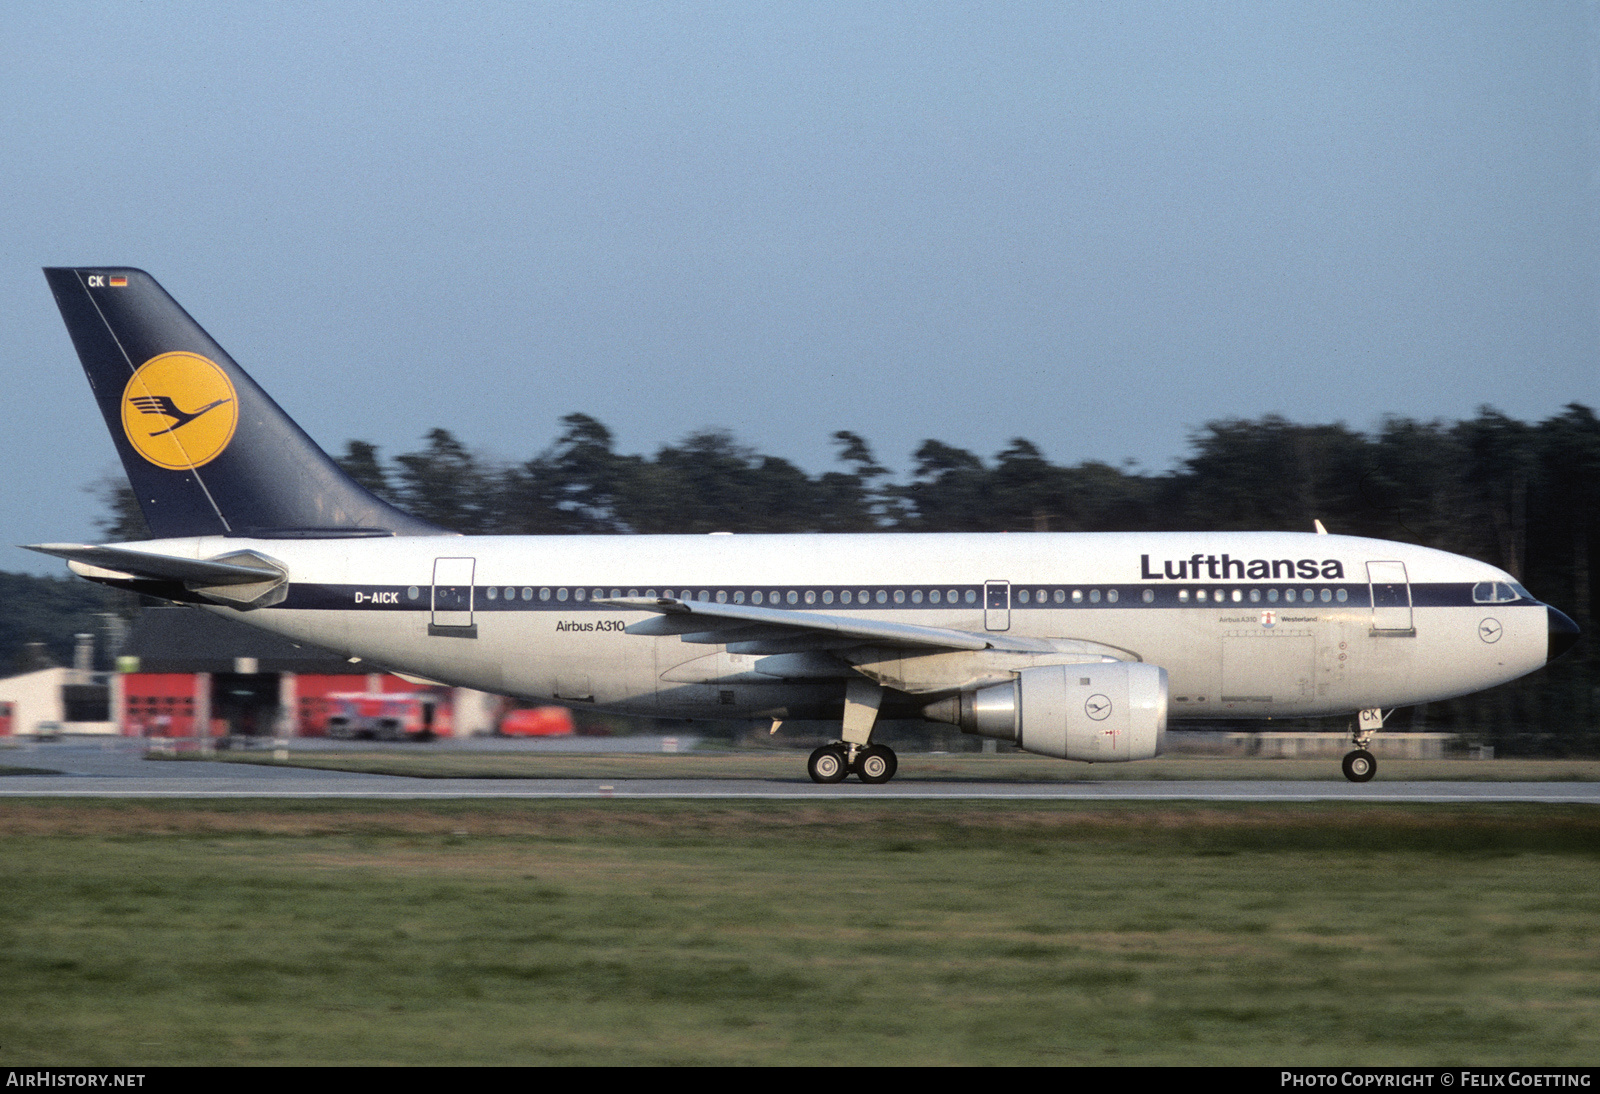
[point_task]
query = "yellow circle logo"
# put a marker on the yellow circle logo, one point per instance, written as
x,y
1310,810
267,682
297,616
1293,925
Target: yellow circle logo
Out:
x,y
179,411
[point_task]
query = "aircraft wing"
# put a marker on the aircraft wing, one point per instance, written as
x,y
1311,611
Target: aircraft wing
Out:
x,y
745,628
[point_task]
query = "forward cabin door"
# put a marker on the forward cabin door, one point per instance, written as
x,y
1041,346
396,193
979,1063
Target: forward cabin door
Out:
x,y
1391,599
997,605
452,598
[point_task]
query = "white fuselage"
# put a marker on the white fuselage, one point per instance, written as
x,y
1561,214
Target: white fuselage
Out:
x,y
1245,624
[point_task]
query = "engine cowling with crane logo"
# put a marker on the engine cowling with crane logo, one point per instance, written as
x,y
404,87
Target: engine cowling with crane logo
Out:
x,y
1100,713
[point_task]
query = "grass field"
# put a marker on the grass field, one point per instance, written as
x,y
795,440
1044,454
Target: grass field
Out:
x,y
424,762
852,932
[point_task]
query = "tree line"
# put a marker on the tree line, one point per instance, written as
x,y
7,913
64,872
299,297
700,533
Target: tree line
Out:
x,y
1523,496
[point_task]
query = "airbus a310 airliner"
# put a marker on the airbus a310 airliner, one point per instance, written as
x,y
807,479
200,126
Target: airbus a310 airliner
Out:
x,y
1078,646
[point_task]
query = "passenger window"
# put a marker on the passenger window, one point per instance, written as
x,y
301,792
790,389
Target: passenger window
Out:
x,y
722,596
933,596
899,596
561,595
1111,595
1255,596
494,592
1023,596
1200,595
972,595
827,596
845,597
1094,596
1183,596
811,596
916,596
1342,595
1077,596
1148,596
792,597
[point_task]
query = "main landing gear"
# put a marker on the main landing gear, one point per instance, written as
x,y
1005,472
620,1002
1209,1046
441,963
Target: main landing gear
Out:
x,y
870,763
856,754
1360,765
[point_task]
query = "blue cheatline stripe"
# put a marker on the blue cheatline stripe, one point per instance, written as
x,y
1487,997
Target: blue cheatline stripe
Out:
x,y
404,598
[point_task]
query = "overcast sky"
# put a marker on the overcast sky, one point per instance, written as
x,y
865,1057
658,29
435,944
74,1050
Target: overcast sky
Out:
x,y
1097,226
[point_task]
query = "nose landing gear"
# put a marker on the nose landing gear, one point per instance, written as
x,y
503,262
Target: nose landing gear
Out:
x,y
1360,765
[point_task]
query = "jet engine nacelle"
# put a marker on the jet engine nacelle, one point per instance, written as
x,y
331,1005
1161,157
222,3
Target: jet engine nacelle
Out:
x,y
1101,713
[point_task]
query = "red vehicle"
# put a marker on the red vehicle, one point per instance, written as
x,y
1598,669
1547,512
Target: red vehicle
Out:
x,y
537,722
384,717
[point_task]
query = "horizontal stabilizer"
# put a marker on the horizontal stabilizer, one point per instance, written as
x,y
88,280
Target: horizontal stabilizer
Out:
x,y
149,565
240,579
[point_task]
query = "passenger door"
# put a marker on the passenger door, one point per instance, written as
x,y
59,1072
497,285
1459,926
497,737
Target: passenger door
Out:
x,y
997,605
452,598
1391,599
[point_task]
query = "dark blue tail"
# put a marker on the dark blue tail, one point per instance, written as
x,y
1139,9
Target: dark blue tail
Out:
x,y
206,450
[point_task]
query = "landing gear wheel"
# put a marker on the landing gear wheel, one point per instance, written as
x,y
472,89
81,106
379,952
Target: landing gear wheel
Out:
x,y
876,764
1359,766
827,765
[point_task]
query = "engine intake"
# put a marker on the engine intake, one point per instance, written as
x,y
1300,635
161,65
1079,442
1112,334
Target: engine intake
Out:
x,y
1101,713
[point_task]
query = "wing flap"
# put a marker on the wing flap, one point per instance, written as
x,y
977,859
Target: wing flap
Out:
x,y
779,630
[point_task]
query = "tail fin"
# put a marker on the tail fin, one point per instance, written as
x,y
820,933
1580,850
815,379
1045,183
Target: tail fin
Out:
x,y
207,451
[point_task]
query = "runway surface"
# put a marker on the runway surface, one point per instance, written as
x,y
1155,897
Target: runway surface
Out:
x,y
118,769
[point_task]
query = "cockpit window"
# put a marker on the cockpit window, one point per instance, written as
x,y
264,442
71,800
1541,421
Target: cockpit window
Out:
x,y
1497,592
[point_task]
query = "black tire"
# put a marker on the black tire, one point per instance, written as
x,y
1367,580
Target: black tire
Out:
x,y
1360,766
827,765
876,764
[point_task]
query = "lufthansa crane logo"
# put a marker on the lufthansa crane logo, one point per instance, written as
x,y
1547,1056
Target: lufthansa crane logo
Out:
x,y
179,411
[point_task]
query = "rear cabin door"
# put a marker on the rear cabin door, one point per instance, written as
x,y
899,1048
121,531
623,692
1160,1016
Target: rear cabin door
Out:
x,y
452,598
1391,599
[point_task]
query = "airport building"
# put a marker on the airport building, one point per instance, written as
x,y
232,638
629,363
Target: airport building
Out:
x,y
182,672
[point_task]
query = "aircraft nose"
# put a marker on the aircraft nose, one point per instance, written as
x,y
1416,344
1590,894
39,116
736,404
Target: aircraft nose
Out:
x,y
1563,634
